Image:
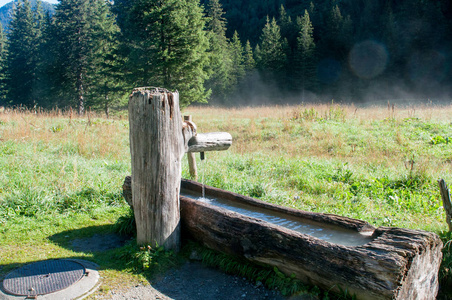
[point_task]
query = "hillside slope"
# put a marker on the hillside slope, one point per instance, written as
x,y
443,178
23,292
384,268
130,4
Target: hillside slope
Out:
x,y
7,9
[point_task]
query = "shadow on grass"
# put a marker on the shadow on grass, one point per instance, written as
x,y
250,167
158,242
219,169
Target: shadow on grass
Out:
x,y
90,239
105,247
172,275
96,244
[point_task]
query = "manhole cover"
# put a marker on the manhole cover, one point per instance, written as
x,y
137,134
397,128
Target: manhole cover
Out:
x,y
43,277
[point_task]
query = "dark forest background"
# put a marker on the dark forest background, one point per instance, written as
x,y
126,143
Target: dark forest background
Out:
x,y
92,53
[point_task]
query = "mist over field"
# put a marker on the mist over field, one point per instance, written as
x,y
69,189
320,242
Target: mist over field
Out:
x,y
253,91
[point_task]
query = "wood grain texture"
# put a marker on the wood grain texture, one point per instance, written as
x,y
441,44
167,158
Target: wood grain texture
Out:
x,y
157,147
397,264
212,141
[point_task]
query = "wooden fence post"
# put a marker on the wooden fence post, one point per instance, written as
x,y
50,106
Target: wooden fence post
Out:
x,y
445,196
191,158
156,147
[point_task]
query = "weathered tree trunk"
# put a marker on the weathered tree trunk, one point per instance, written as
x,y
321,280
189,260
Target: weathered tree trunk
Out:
x,y
157,147
395,263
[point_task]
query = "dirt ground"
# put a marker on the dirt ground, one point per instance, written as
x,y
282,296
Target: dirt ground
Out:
x,y
191,281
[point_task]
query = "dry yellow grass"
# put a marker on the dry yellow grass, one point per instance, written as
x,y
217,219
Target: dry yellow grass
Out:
x,y
87,136
274,129
427,112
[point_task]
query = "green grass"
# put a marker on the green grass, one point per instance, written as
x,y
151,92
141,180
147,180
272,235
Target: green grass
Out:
x,y
63,177
384,170
379,196
55,181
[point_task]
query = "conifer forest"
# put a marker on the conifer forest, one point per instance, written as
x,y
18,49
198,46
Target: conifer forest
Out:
x,y
91,53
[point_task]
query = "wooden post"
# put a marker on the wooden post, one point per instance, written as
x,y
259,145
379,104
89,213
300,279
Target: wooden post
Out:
x,y
156,147
191,158
445,196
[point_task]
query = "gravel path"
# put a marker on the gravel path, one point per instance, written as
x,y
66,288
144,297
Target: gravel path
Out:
x,y
193,281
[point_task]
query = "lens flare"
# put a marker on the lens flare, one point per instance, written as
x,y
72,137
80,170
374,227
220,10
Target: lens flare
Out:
x,y
368,59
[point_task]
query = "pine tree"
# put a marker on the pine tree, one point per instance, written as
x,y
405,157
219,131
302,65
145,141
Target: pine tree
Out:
x,y
285,20
216,22
248,59
40,23
288,28
258,55
108,83
51,75
164,44
220,56
2,41
337,38
305,54
2,62
78,48
334,23
272,58
38,16
23,58
79,26
238,68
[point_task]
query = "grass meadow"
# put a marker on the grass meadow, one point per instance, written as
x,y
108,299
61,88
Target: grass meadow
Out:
x,y
61,176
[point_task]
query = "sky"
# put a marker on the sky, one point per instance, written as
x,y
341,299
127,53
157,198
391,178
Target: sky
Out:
x,y
3,2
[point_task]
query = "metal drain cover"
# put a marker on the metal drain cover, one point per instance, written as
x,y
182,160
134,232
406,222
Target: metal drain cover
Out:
x,y
43,277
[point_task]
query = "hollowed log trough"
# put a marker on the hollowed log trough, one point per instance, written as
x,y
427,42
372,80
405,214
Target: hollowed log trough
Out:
x,y
389,263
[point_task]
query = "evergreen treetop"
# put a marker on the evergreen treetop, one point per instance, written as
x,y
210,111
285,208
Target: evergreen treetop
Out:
x,y
165,45
238,68
2,42
305,71
248,59
271,55
220,68
2,61
84,31
22,62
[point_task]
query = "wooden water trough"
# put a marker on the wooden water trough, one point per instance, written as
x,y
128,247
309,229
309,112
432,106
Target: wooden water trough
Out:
x,y
370,263
333,252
